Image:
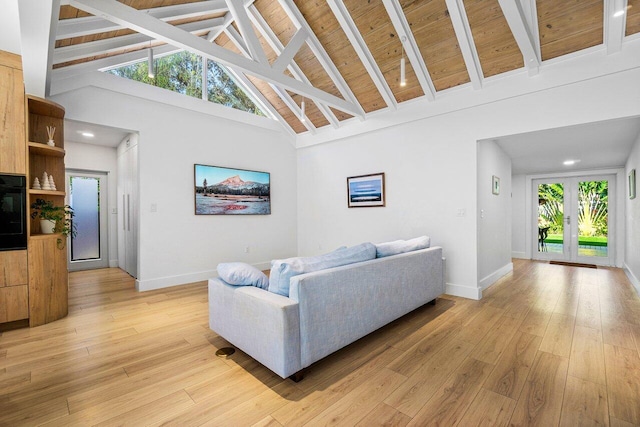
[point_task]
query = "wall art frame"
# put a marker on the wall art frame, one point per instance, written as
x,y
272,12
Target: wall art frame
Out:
x,y
366,191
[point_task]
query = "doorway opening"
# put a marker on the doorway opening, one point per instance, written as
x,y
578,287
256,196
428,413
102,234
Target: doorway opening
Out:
x,y
573,218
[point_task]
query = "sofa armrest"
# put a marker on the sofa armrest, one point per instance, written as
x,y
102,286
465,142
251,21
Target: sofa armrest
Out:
x,y
262,324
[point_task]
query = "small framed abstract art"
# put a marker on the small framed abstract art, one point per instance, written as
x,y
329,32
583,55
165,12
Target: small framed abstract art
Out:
x,y
632,184
495,185
365,191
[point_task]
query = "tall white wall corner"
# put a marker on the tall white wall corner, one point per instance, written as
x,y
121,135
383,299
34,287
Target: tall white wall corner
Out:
x,y
632,278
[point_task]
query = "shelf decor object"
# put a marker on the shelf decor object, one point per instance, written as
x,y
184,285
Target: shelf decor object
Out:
x,y
51,131
36,184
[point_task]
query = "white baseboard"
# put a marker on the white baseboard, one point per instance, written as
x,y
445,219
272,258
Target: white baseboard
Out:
x,y
113,263
519,255
464,291
183,279
493,277
632,278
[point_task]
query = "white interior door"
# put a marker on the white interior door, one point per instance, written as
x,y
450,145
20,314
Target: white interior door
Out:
x,y
573,218
88,249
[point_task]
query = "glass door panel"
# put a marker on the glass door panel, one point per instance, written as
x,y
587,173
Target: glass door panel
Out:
x,y
551,233
593,219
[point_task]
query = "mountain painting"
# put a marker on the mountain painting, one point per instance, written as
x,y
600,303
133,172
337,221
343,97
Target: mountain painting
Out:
x,y
225,191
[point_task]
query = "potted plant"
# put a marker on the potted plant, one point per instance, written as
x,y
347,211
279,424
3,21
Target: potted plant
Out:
x,y
53,219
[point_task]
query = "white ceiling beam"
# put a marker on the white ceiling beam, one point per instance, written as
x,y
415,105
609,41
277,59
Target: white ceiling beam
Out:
x,y
237,39
142,23
131,41
38,22
465,41
321,55
401,25
213,34
521,31
368,61
293,106
77,27
110,62
264,103
278,47
294,45
239,12
614,26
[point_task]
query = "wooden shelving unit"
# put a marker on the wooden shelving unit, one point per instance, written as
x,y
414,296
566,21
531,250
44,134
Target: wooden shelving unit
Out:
x,y
47,255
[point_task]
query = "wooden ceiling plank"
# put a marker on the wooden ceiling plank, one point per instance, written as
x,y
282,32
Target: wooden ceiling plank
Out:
x,y
77,27
321,54
294,45
293,106
295,70
465,40
239,12
141,22
83,50
368,61
523,33
401,25
614,26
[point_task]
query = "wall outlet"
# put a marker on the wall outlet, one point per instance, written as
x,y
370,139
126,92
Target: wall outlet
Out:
x,y
246,249
154,207
461,212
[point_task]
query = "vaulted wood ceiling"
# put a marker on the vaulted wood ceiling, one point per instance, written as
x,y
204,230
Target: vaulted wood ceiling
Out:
x,y
341,56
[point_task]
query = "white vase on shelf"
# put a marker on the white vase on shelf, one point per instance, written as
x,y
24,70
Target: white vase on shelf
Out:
x,y
50,143
47,226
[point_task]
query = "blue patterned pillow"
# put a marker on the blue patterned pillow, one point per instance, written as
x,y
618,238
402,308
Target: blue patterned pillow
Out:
x,y
242,274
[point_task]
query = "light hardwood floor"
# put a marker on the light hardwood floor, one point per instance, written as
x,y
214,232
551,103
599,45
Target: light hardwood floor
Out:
x,y
547,345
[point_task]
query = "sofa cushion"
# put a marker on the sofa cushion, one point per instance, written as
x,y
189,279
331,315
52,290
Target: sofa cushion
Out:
x,y
282,270
402,246
242,274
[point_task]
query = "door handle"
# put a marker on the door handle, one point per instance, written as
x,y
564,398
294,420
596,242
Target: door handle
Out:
x,y
128,213
124,215
568,219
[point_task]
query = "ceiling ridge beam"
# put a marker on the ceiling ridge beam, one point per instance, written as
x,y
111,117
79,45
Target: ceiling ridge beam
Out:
x,y
141,22
83,50
614,26
321,55
239,12
401,25
465,41
77,27
278,47
362,50
294,45
515,15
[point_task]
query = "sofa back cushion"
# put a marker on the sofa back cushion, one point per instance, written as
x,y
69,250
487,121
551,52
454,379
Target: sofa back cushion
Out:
x,y
282,270
242,274
402,246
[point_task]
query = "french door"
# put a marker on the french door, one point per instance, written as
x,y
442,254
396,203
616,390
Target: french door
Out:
x,y
87,192
573,217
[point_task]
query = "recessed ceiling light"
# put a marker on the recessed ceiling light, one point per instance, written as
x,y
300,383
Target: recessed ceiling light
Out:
x,y
619,13
570,162
88,134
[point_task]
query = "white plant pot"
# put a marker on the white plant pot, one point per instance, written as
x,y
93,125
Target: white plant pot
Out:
x,y
47,226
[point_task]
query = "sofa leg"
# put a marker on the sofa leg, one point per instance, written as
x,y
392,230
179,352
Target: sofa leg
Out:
x,y
297,377
433,301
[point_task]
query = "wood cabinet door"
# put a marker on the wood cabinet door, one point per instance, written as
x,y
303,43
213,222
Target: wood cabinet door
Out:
x,y
13,268
12,128
48,281
14,303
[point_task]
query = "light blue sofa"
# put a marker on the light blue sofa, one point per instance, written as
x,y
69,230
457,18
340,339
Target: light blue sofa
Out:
x,y
326,310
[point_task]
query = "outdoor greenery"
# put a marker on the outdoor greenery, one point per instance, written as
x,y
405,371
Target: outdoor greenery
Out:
x,y
593,198
182,73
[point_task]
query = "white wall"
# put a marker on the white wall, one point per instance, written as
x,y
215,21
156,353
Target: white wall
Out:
x,y
10,27
518,216
176,246
494,214
431,170
632,215
98,158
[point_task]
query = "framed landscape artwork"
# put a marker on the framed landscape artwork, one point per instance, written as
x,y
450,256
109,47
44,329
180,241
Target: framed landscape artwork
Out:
x,y
365,191
226,191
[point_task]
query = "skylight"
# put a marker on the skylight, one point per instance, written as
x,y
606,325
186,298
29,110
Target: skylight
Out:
x,y
182,72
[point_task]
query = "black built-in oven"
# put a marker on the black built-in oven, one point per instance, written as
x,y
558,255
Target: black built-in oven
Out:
x,y
13,212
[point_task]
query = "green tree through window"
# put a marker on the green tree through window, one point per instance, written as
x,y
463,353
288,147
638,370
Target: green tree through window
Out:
x,y
182,73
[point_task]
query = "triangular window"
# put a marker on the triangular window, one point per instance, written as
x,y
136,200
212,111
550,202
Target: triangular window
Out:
x,y
182,72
